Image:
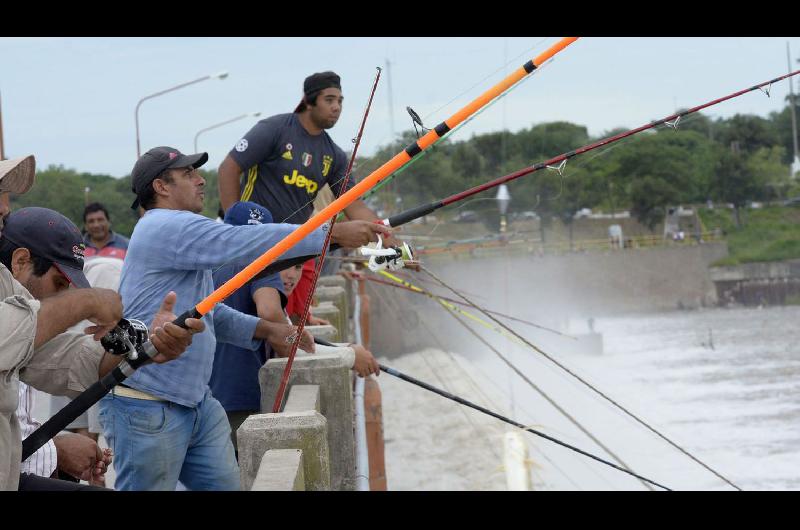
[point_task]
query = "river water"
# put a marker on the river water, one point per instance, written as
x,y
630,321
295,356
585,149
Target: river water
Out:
x,y
724,384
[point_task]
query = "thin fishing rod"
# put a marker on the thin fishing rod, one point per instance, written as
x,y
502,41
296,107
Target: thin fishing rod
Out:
x,y
542,393
276,407
402,284
554,163
462,401
586,383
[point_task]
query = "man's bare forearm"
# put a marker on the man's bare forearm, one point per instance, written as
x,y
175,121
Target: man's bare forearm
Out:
x,y
60,312
358,211
229,175
108,363
268,305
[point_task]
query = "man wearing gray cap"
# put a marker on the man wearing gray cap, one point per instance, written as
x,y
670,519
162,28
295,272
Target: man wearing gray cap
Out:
x,y
41,256
165,416
288,158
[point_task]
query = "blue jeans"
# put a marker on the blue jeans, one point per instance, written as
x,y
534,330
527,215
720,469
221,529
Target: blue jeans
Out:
x,y
157,443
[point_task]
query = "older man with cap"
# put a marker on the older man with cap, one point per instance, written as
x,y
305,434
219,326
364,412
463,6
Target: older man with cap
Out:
x,y
288,158
41,255
166,417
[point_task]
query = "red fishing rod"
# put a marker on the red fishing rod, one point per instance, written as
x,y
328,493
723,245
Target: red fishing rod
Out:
x,y
558,161
276,407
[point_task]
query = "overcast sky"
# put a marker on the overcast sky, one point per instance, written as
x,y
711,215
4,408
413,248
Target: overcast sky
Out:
x,y
71,101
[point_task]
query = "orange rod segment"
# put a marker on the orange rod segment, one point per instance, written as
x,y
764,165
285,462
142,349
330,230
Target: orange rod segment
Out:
x,y
365,185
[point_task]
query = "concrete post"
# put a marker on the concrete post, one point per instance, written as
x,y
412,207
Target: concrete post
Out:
x,y
337,296
302,398
329,333
330,372
343,282
280,470
307,431
331,313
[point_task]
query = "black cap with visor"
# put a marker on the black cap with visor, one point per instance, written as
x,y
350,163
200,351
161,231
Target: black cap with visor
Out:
x,y
157,160
49,235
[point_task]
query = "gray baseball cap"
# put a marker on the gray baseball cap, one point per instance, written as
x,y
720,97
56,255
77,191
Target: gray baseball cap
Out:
x,y
49,235
158,159
16,175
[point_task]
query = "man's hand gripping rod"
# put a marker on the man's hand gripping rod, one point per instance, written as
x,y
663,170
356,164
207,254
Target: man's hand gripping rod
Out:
x,y
130,339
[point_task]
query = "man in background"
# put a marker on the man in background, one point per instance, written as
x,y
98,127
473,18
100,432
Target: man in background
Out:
x,y
100,240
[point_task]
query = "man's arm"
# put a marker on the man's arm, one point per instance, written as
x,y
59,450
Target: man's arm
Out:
x,y
229,177
358,210
268,304
268,308
57,313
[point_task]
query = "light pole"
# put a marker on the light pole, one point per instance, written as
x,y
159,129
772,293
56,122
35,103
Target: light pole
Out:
x,y
795,167
237,118
220,75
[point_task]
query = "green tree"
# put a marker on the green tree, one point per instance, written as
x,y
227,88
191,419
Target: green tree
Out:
x,y
735,183
649,197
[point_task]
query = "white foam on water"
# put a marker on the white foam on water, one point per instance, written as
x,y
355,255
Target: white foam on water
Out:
x,y
734,406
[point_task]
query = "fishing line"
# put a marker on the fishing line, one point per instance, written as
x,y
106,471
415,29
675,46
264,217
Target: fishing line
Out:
x,y
391,176
542,393
390,302
401,284
586,383
464,402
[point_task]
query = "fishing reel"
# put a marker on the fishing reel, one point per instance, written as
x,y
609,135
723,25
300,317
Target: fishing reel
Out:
x,y
129,339
392,258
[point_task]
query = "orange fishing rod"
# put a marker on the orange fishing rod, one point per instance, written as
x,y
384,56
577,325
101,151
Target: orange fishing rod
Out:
x,y
368,182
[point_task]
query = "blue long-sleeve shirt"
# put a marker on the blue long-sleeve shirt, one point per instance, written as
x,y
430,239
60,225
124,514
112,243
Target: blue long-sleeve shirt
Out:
x,y
176,250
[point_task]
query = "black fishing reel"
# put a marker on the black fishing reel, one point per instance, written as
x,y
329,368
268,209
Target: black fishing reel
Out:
x,y
128,339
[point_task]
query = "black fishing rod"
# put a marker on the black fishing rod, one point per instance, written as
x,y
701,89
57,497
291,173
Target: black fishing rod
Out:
x,y
129,339
462,401
557,162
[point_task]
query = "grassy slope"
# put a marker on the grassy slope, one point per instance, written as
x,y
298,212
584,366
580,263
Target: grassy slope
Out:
x,y
768,234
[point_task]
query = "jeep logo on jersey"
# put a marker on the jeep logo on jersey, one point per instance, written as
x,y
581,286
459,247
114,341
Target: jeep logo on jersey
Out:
x,y
306,160
301,182
241,145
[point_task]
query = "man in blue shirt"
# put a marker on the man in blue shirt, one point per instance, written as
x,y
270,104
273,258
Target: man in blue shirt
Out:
x,y
164,425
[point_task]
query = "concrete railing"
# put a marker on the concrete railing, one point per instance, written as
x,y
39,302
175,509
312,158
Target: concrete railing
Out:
x,y
310,445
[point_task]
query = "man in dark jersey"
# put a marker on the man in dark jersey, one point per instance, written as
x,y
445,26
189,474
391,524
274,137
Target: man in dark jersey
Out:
x,y
283,161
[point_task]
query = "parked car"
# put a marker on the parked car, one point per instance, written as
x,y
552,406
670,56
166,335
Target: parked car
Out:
x,y
466,216
524,216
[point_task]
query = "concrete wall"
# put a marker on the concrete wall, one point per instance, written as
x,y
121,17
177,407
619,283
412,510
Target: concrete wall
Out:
x,y
548,289
753,284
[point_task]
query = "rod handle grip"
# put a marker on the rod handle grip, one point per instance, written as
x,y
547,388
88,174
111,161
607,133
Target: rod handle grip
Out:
x,y
414,213
189,313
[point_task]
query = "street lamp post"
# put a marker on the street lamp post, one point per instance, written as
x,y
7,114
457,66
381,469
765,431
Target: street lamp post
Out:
x,y
220,75
237,118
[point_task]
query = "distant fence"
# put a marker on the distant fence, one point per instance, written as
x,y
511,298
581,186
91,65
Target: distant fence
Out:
x,y
561,247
